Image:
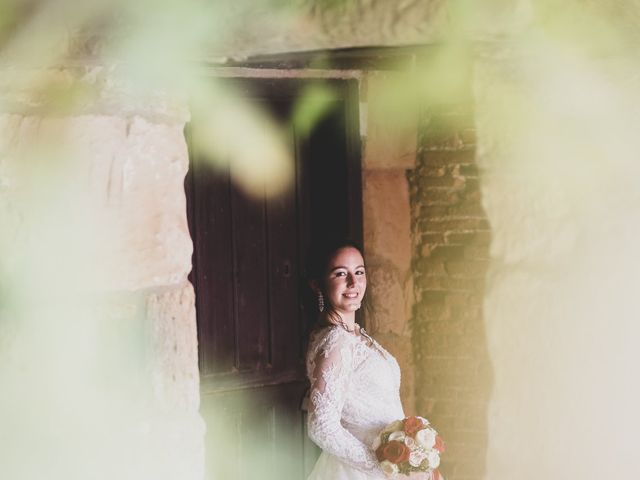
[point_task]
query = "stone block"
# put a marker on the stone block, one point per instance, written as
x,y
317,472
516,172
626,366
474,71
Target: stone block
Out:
x,y
156,245
171,315
387,294
444,181
470,207
432,238
449,158
429,266
432,171
391,123
109,90
481,238
136,171
451,284
476,252
387,220
468,170
448,131
447,252
116,187
439,196
468,268
177,428
453,225
433,297
255,30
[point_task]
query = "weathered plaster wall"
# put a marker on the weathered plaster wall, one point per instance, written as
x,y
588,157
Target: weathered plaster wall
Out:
x,y
389,150
318,25
557,138
96,251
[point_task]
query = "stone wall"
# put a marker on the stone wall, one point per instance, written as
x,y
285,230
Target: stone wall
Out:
x,y
451,237
100,349
255,28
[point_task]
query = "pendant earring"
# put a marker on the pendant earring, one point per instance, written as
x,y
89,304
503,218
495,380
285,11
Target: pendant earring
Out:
x,y
320,302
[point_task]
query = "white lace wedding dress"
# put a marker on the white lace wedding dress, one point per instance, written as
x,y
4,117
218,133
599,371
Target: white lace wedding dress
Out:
x,y
354,394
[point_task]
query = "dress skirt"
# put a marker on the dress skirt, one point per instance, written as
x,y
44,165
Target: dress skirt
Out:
x,y
329,467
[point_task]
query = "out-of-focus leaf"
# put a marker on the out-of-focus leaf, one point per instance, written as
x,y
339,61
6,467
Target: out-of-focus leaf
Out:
x,y
311,106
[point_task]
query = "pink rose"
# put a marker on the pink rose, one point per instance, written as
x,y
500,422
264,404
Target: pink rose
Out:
x,y
412,425
394,451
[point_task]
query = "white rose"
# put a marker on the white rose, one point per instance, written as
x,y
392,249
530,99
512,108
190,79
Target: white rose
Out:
x,y
434,459
416,457
424,420
389,469
410,442
398,436
426,438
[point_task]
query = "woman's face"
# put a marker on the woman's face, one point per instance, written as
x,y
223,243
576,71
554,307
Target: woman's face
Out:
x,y
345,280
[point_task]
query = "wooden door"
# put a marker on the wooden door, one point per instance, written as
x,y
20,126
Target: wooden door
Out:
x,y
248,274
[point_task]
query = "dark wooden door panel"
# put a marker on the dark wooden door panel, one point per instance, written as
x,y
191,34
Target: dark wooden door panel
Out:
x,y
213,267
249,253
283,282
251,280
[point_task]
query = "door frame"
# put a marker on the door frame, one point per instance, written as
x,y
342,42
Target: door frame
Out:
x,y
354,194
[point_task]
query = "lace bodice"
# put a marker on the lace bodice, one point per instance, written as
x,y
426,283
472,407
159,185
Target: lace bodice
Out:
x,y
354,394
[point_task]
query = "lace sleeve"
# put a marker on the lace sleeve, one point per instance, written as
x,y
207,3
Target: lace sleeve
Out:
x,y
329,381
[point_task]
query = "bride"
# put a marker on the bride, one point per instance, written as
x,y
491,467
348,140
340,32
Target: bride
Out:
x,y
354,381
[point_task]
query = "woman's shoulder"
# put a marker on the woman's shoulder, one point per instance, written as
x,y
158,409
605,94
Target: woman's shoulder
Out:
x,y
329,333
325,339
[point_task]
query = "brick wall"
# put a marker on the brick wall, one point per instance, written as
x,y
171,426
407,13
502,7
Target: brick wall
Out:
x,y
450,258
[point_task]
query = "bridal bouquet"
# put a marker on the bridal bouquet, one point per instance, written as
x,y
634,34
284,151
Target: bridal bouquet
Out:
x,y
409,447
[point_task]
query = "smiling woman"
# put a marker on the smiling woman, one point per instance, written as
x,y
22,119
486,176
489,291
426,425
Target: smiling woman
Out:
x,y
339,282
354,381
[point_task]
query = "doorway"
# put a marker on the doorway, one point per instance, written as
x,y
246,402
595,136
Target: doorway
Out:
x,y
248,275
